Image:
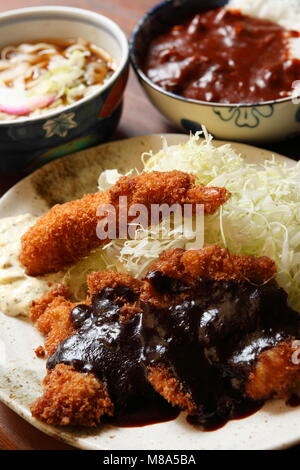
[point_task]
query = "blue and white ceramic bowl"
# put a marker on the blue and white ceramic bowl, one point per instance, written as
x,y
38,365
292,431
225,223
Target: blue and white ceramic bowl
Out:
x,y
29,142
257,122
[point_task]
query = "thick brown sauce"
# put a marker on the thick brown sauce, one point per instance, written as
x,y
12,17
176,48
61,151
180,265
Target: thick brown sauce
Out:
x,y
293,400
156,411
224,57
209,342
246,409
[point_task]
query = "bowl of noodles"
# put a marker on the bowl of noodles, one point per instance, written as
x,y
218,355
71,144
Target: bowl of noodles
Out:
x,y
63,72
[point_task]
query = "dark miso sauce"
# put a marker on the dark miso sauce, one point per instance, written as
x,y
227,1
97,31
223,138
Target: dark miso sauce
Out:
x,y
293,400
246,409
156,411
208,339
224,56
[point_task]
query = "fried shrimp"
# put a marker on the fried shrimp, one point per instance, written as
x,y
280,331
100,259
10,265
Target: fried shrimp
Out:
x,y
68,231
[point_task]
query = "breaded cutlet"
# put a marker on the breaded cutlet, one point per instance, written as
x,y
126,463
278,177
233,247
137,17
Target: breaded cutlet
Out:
x,y
273,374
72,397
212,262
173,281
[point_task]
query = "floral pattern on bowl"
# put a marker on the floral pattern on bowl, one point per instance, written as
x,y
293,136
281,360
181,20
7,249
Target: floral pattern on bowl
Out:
x,y
60,125
245,117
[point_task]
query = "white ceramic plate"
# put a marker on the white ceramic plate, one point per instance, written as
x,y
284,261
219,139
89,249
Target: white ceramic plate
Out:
x,y
275,426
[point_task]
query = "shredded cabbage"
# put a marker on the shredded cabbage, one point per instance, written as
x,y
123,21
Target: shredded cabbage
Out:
x,y
62,77
134,256
262,217
109,177
76,276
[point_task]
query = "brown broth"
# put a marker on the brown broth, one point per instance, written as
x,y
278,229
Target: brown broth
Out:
x,y
41,61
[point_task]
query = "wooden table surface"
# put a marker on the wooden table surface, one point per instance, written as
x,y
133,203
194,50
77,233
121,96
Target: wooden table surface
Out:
x,y
139,118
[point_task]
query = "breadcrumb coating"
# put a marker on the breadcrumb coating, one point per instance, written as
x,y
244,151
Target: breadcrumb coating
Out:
x,y
168,387
211,261
97,281
214,262
51,315
72,398
62,236
67,232
274,375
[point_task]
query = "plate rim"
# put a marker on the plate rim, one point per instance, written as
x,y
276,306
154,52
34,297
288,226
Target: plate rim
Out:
x,y
48,165
242,148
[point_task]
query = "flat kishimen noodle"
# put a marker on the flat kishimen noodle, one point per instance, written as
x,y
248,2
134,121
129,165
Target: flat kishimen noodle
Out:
x,y
36,78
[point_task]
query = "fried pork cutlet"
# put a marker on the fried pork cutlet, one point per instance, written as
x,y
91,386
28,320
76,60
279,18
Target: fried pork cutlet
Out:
x,y
72,398
211,262
206,330
51,315
75,397
68,231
